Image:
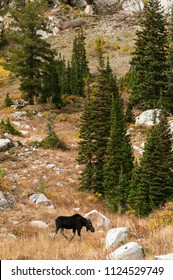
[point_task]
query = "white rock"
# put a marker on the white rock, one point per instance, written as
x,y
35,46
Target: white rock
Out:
x,y
38,198
89,10
51,166
171,125
146,117
129,251
4,203
98,219
76,209
18,114
164,257
24,126
5,144
166,4
116,235
131,6
39,224
9,235
1,195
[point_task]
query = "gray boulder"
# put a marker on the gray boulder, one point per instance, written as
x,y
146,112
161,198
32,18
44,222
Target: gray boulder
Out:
x,y
164,257
146,117
40,199
5,144
98,219
4,203
39,224
129,251
116,235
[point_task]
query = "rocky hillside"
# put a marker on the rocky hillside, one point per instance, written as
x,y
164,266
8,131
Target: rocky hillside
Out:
x,y
37,185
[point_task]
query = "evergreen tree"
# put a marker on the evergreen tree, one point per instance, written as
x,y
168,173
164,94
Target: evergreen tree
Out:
x,y
170,60
154,178
51,85
148,73
8,102
64,75
119,158
95,129
86,144
79,65
32,55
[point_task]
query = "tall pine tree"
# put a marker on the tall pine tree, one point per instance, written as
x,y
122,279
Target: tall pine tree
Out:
x,y
148,73
79,65
152,182
32,56
95,129
170,61
119,158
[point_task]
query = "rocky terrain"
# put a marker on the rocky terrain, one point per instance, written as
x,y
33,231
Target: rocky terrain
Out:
x,y
37,185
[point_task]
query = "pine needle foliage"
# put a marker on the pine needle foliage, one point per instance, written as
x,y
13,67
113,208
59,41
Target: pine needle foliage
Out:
x,y
8,101
147,78
119,158
152,180
79,70
95,128
8,127
32,57
51,141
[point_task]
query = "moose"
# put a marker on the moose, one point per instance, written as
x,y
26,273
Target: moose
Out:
x,y
75,222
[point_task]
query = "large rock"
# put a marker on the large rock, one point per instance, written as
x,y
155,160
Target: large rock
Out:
x,y
146,117
98,219
40,199
5,144
132,6
129,251
4,203
166,4
116,235
164,257
39,224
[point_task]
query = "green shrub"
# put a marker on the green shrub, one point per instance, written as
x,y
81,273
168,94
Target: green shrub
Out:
x,y
51,141
7,127
8,102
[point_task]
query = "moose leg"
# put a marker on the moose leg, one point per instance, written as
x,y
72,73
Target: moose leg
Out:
x,y
78,231
56,231
74,232
62,232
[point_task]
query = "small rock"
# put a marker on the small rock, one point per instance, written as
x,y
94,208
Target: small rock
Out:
x,y
39,224
5,144
51,166
4,203
19,115
1,195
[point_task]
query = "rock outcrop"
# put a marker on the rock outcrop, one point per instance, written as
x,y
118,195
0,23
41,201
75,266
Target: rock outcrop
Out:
x,y
164,257
5,144
116,235
98,219
129,251
40,199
